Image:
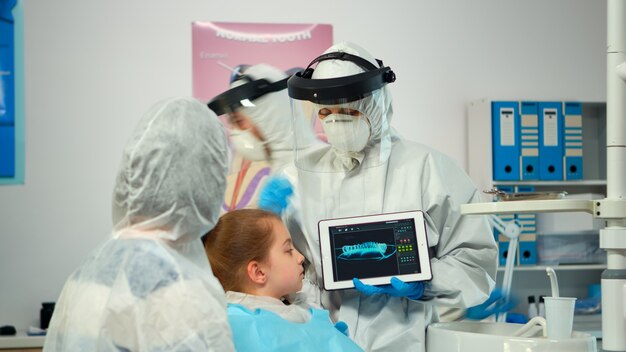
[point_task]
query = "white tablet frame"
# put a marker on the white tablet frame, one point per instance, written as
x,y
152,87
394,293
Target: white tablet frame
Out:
x,y
326,250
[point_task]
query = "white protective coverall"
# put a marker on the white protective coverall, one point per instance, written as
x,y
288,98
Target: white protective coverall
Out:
x,y
150,286
392,174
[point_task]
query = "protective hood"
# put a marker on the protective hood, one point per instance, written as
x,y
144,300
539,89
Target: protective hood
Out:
x,y
361,72
377,106
173,171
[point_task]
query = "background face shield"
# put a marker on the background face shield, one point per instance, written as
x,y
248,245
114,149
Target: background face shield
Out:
x,y
356,133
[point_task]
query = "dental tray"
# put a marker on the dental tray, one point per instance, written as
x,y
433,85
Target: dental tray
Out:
x,y
502,196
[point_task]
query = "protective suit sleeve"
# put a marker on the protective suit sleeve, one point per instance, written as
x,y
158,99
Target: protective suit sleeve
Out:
x,y
465,256
200,330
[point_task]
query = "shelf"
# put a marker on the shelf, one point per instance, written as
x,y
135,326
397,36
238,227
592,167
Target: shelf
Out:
x,y
551,183
529,206
480,150
557,267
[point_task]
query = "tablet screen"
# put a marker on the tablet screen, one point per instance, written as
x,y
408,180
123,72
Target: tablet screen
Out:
x,y
374,248
364,250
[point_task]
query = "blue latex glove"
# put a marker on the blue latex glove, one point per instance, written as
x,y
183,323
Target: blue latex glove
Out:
x,y
495,304
398,288
591,305
275,194
516,318
342,327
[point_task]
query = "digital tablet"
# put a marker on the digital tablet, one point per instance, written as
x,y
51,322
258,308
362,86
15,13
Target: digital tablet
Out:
x,y
374,248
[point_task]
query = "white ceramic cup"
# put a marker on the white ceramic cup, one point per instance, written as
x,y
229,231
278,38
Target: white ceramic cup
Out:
x,y
559,316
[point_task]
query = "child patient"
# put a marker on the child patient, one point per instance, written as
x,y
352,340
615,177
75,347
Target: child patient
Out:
x,y
251,253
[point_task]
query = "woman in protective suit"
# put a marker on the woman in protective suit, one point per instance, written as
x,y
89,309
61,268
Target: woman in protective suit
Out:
x,y
368,169
262,126
150,286
260,129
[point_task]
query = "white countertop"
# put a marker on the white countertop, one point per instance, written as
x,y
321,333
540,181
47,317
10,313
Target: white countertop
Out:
x,y
21,341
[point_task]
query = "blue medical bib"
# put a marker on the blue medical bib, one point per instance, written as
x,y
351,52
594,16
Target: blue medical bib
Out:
x,y
262,330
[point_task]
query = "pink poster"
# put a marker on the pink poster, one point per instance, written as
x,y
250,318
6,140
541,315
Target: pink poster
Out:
x,y
219,47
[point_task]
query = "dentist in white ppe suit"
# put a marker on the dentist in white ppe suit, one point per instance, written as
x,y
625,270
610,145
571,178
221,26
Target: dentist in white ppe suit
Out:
x,y
150,286
368,169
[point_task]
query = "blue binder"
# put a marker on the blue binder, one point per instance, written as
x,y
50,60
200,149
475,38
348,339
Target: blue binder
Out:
x,y
551,141
7,151
503,253
505,140
501,239
529,134
573,141
528,236
7,94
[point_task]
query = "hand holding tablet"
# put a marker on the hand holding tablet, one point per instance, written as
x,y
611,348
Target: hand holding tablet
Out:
x,y
398,288
374,248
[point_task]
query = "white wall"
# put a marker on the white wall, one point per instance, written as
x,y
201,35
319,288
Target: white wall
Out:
x,y
93,67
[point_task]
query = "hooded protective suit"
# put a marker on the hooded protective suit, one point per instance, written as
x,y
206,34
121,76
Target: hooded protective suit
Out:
x,y
150,287
391,174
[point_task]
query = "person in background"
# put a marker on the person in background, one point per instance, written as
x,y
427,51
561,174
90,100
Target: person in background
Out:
x,y
252,255
367,168
261,125
150,287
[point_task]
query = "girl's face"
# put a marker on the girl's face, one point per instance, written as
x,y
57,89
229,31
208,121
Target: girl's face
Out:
x,y
285,263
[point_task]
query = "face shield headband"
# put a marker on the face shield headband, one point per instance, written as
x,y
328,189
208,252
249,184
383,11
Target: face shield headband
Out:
x,y
350,88
244,94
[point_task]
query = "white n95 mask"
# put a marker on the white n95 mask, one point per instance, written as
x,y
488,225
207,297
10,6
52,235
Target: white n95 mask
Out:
x,y
346,133
247,145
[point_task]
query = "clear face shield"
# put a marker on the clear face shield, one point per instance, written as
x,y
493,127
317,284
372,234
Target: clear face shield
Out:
x,y
235,105
352,110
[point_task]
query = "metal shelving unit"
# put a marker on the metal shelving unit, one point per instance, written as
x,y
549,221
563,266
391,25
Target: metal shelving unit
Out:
x,y
532,279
